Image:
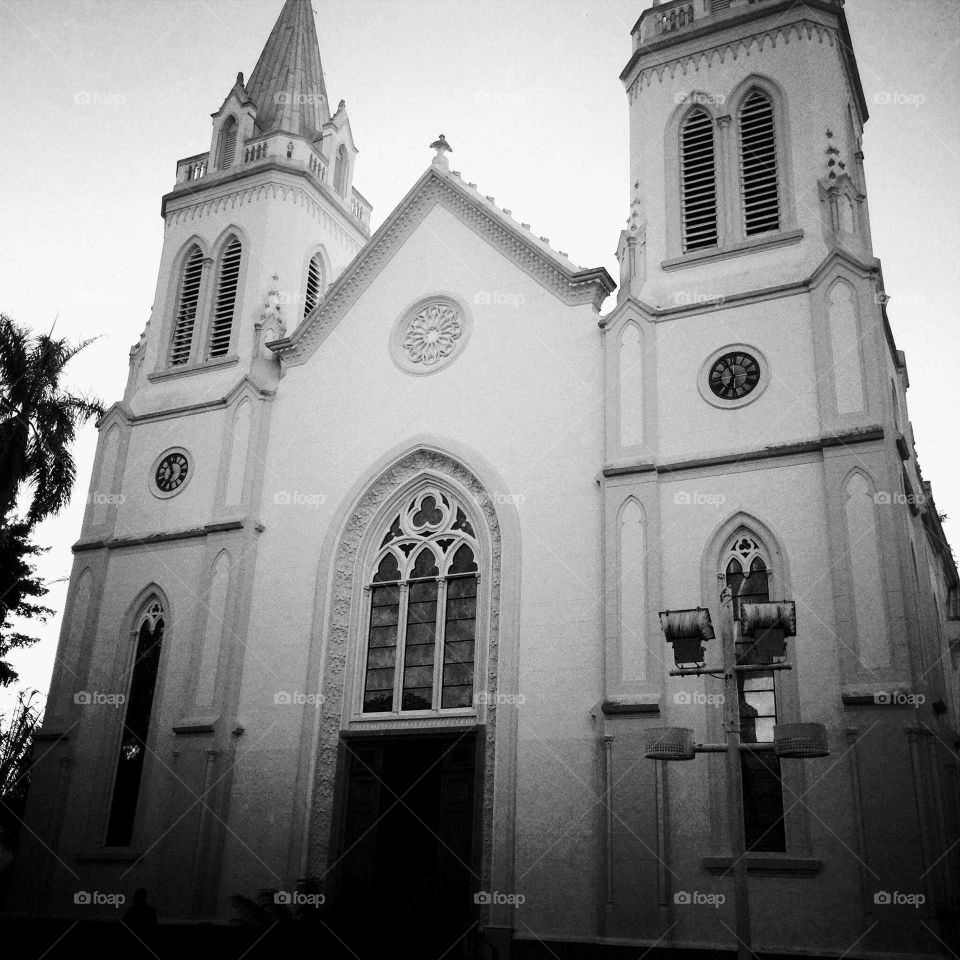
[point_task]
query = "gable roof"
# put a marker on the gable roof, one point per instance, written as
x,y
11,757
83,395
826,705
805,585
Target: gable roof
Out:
x,y
286,85
569,283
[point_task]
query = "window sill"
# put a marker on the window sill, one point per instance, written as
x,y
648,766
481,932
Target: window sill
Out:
x,y
194,725
187,369
767,864
781,239
387,721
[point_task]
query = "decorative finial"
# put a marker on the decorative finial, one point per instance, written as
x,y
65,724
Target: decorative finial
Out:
x,y
442,147
240,78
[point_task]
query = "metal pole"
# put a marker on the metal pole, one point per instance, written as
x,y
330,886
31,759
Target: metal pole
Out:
x,y
731,717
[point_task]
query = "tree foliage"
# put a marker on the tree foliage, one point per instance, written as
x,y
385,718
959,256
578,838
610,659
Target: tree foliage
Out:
x,y
20,589
38,419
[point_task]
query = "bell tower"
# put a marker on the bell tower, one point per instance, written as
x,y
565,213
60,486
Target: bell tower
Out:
x,y
257,227
755,424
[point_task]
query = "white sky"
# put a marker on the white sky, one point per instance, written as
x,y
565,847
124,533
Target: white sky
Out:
x,y
527,93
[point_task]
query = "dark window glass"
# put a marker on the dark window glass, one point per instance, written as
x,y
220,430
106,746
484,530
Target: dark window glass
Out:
x,y
459,638
762,789
422,627
418,659
133,742
381,646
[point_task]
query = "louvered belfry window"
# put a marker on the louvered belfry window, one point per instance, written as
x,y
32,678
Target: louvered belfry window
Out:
x,y
223,309
189,296
758,165
340,171
228,143
698,182
314,284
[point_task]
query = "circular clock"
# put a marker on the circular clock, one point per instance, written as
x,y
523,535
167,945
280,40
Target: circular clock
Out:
x,y
171,472
734,375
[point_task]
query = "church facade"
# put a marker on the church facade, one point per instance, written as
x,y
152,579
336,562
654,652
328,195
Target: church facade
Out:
x,y
367,592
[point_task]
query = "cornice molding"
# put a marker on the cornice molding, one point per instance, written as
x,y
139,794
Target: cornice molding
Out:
x,y
269,190
871,433
115,543
120,412
734,49
571,287
863,269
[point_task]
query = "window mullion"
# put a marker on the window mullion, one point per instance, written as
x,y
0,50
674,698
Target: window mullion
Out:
x,y
438,643
726,190
201,321
401,647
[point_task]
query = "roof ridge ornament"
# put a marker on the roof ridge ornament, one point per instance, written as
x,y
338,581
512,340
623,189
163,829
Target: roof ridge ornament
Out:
x,y
442,147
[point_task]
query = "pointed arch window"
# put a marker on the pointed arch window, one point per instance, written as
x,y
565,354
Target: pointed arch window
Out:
x,y
340,171
314,289
758,165
228,143
745,569
421,639
228,277
188,298
698,182
136,724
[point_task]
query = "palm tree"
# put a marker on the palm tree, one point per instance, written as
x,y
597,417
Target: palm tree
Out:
x,y
38,419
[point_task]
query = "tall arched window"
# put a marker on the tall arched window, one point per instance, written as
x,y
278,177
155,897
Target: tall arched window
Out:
x,y
228,276
758,165
228,143
148,633
746,571
421,637
188,297
698,182
314,288
340,171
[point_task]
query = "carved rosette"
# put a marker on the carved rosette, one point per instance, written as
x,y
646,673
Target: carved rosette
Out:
x,y
432,334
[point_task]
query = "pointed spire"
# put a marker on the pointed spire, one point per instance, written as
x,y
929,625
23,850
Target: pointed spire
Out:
x,y
286,85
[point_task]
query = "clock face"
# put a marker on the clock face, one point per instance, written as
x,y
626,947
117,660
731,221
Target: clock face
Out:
x,y
734,375
171,472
